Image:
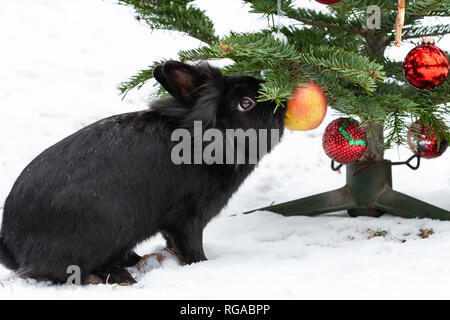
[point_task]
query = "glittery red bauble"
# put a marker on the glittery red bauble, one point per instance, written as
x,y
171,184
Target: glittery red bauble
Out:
x,y
422,141
344,140
328,1
426,67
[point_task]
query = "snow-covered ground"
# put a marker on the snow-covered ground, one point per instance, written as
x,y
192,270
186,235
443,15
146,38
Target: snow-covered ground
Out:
x,y
60,62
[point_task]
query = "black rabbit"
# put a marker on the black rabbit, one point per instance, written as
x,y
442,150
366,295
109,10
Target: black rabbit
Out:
x,y
92,197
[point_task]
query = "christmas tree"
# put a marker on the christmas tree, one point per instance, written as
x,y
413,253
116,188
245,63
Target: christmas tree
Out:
x,y
341,49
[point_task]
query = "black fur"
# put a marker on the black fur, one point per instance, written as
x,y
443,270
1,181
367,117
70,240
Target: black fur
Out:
x,y
92,197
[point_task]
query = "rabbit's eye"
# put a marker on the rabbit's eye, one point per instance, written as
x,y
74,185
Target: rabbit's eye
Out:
x,y
246,104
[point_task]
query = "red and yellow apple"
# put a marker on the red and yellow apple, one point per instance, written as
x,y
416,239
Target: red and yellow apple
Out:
x,y
306,109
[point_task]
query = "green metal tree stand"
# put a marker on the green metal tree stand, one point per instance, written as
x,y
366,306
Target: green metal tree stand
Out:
x,y
368,192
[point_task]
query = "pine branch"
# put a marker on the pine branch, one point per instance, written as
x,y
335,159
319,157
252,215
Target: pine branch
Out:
x,y
348,65
174,15
436,97
202,53
268,7
397,103
362,4
307,16
321,20
434,117
417,9
317,37
269,52
401,112
419,32
395,125
393,69
138,80
253,68
278,87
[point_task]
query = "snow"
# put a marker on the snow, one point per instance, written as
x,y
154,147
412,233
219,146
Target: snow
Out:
x,y
61,61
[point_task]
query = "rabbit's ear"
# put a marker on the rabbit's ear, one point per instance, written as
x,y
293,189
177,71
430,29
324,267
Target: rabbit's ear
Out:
x,y
159,76
181,80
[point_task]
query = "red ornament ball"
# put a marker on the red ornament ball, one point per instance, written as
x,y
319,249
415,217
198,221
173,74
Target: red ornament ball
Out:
x,y
344,140
426,66
422,141
328,1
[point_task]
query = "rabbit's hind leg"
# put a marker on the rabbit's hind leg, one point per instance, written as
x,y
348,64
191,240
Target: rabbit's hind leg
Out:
x,y
170,246
130,259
